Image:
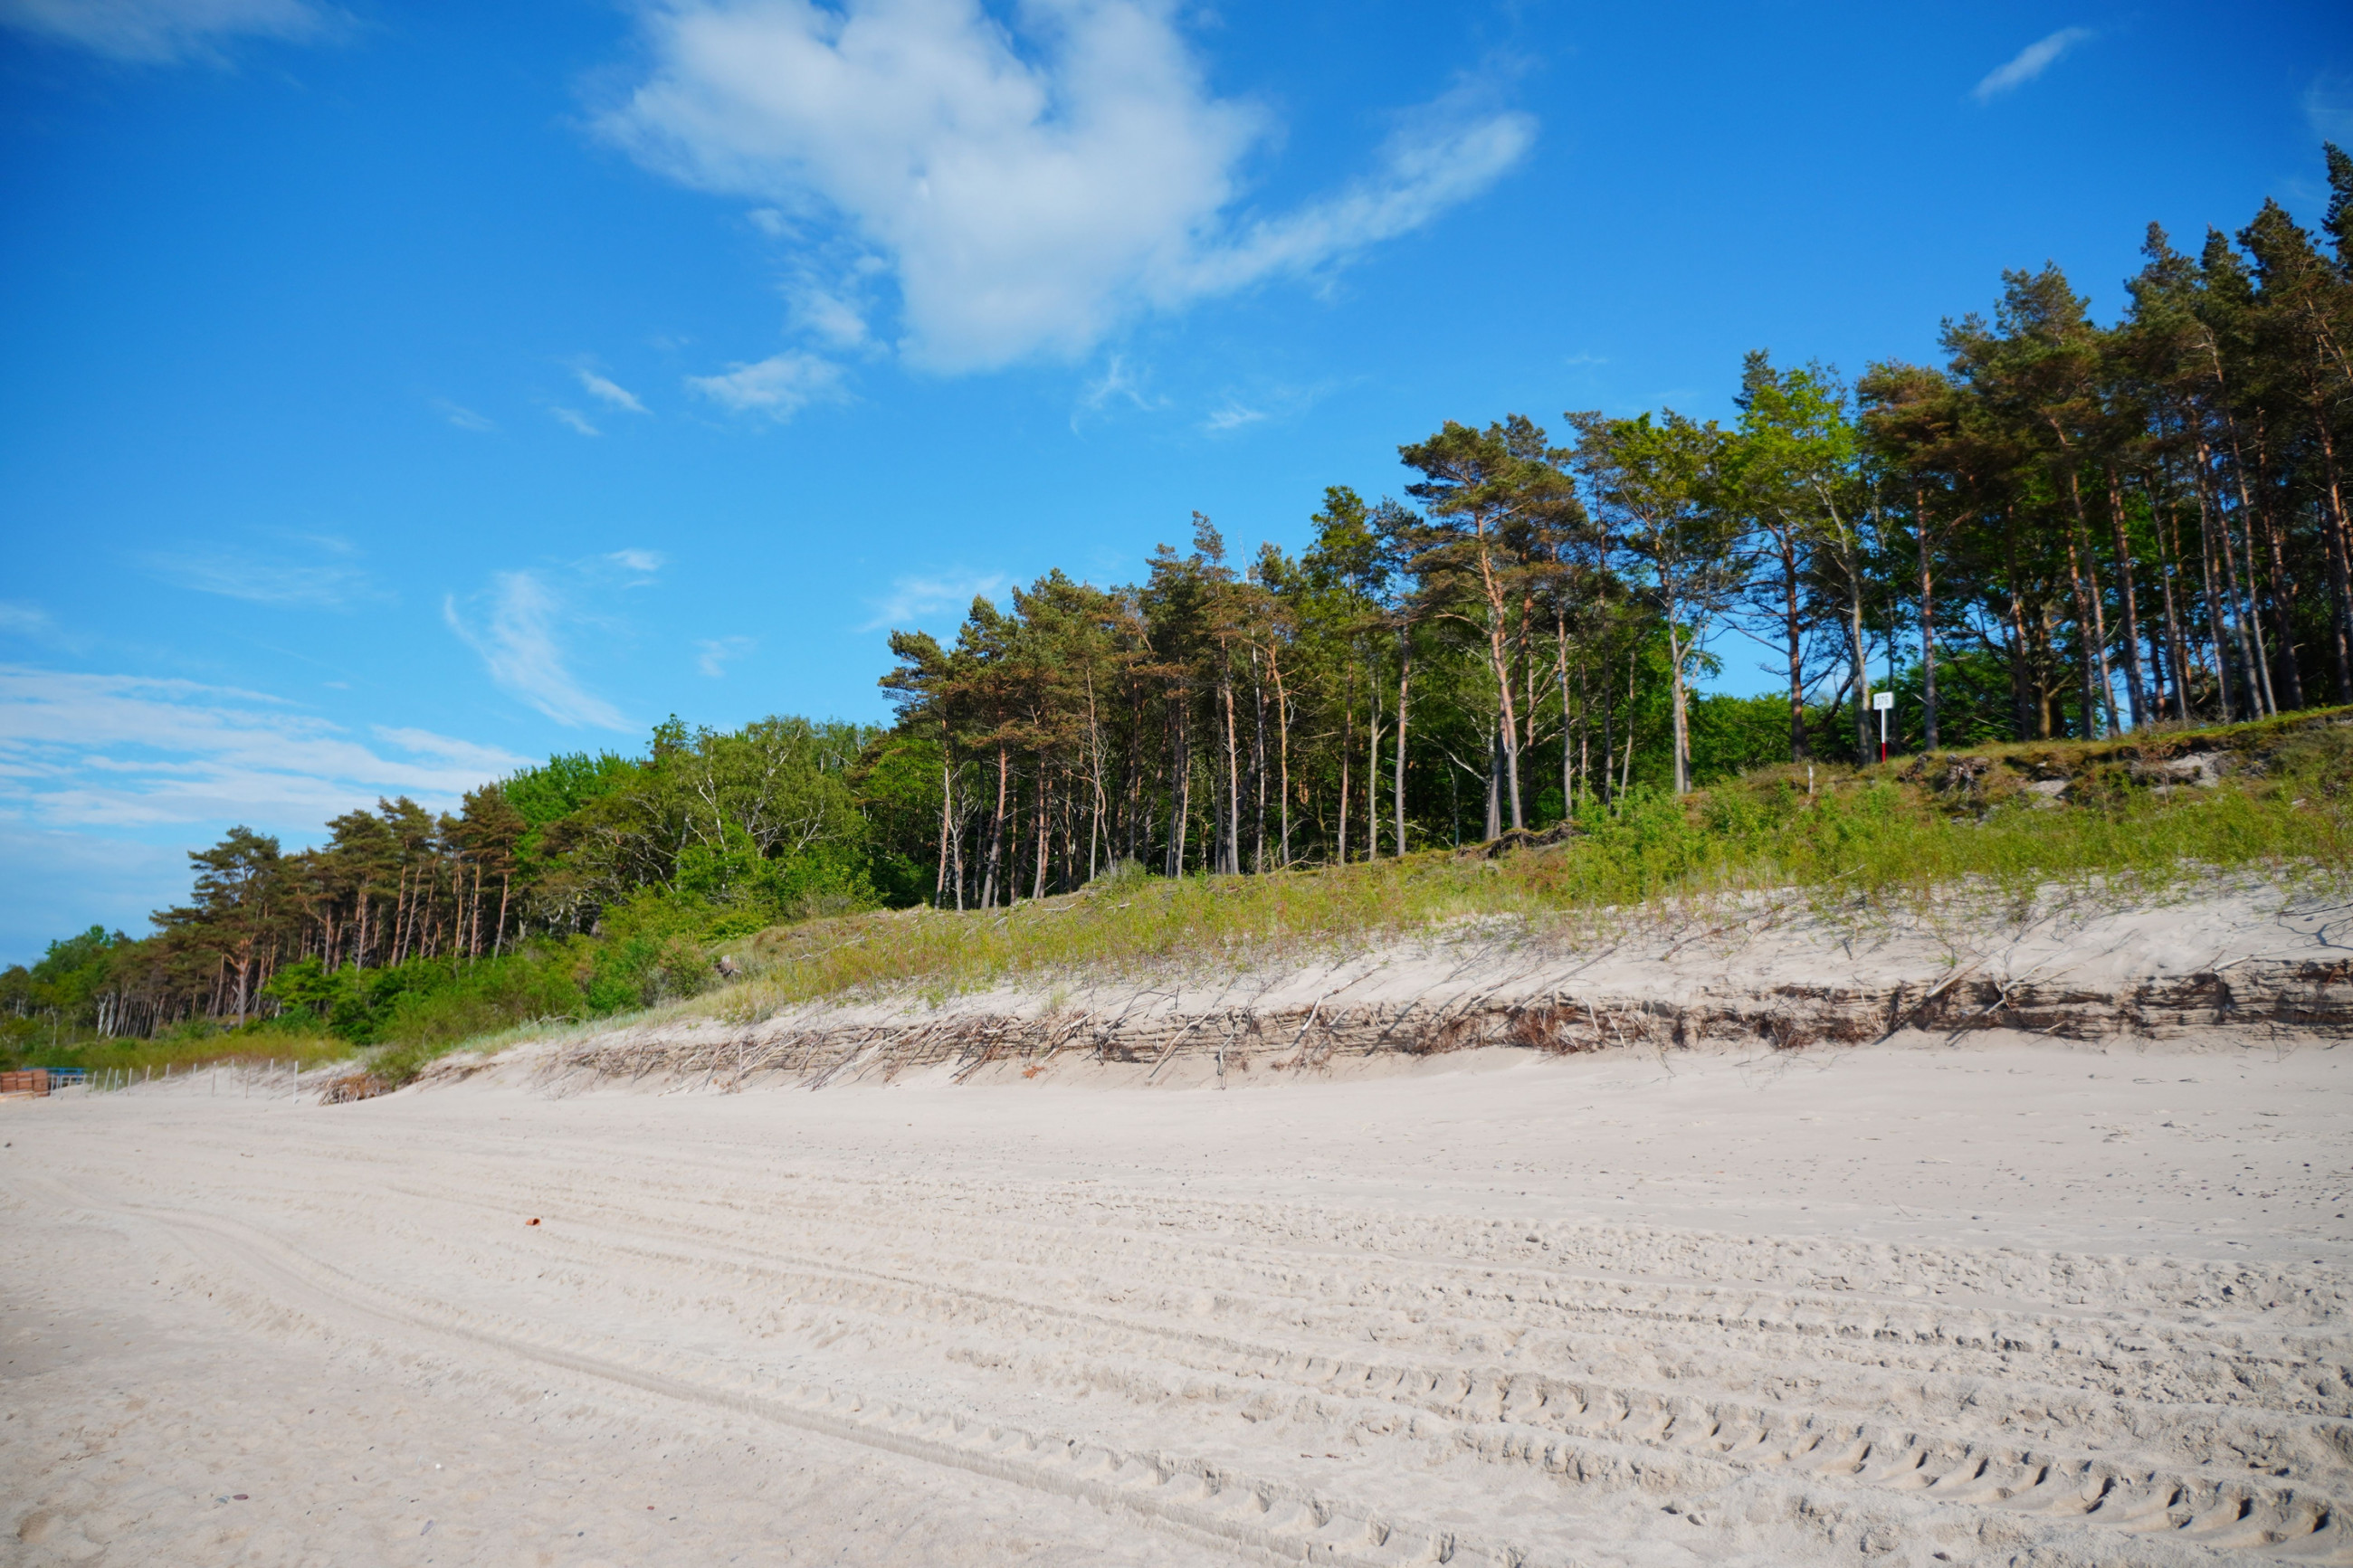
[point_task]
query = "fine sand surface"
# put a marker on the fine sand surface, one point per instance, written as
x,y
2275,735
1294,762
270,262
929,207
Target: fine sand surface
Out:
x,y
2005,1301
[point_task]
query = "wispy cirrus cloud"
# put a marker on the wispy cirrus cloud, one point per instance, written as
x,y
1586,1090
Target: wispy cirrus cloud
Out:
x,y
159,32
779,388
23,620
640,565
1029,180
520,638
463,417
610,392
314,571
106,779
573,419
714,655
916,598
2028,63
80,751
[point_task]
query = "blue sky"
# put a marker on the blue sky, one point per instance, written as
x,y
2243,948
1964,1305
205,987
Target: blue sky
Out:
x,y
390,394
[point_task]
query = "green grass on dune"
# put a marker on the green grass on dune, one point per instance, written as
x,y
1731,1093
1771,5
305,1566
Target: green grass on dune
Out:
x,y
1889,834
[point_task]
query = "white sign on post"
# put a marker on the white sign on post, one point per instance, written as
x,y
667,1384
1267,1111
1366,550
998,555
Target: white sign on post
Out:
x,y
1883,700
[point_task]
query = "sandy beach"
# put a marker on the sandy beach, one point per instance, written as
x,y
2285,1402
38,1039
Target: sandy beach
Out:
x,y
2002,1301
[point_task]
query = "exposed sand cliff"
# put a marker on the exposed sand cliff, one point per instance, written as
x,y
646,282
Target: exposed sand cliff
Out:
x,y
1782,973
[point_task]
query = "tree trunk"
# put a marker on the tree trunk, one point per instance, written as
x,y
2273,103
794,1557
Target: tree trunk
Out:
x,y
1921,536
2089,625
1231,859
1682,741
1793,632
1283,748
2134,688
1405,701
997,828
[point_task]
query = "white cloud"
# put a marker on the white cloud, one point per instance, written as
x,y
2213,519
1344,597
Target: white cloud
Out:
x,y
715,653
779,386
96,769
611,392
329,579
912,599
1031,182
2028,63
575,420
463,417
1116,383
128,752
522,649
828,314
639,563
22,620
158,31
1233,416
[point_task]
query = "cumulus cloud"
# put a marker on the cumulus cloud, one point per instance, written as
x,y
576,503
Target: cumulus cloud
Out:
x,y
521,644
610,392
1028,183
779,386
160,31
2028,63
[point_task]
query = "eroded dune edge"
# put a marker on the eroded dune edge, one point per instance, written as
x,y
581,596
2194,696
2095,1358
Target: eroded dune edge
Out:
x,y
2249,959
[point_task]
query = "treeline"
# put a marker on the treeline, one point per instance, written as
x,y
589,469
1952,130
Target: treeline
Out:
x,y
495,911
2064,529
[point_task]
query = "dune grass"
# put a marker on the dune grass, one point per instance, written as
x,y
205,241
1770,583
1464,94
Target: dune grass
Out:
x,y
1860,840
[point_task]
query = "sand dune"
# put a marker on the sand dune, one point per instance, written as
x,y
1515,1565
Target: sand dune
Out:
x,y
2005,1300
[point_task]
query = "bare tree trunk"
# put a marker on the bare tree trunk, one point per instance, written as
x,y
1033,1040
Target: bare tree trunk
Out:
x,y
997,828
2169,541
1682,740
1921,536
2134,688
1495,820
2089,624
1372,762
1405,708
1348,750
1608,744
2340,540
1283,747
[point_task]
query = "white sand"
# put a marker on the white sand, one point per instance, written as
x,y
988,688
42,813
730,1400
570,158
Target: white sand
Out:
x,y
2005,1301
